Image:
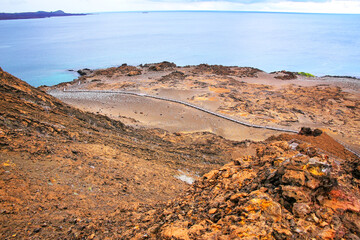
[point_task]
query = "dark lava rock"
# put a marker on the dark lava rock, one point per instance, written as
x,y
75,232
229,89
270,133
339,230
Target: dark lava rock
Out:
x,y
84,72
317,132
309,132
305,131
285,75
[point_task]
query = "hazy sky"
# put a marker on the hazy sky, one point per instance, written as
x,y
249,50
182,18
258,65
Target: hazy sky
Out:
x,y
318,6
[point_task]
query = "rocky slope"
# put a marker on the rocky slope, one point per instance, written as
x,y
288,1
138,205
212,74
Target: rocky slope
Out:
x,y
69,174
60,166
288,190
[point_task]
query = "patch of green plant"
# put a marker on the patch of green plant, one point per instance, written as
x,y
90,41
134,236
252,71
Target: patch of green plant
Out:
x,y
306,74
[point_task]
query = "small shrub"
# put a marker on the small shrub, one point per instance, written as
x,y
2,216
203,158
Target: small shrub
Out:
x,y
306,74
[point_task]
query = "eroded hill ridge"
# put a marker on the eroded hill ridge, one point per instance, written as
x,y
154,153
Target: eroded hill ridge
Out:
x,y
66,173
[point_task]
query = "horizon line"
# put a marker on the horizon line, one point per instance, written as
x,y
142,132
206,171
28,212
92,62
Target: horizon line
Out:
x,y
229,11
158,11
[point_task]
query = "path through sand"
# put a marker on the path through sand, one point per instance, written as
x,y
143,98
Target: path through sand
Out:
x,y
155,113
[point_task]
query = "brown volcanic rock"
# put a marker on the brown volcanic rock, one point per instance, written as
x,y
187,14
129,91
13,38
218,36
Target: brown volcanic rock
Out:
x,y
65,173
324,142
271,197
173,77
213,69
121,70
247,72
285,75
225,70
161,66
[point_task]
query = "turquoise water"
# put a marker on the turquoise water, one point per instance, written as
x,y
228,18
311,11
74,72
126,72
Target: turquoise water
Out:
x,y
40,51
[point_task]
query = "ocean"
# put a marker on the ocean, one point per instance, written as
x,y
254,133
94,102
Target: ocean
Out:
x,y
41,51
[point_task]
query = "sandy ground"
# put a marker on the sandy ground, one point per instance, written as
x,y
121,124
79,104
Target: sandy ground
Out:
x,y
154,113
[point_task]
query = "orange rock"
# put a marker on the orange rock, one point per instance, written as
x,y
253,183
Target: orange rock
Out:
x,y
294,177
213,210
172,232
328,234
211,174
301,209
196,230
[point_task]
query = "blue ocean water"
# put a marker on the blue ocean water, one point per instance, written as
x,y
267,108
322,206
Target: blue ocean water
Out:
x,y
40,51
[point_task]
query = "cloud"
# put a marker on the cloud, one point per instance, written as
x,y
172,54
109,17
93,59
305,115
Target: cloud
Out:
x,y
238,1
316,6
306,6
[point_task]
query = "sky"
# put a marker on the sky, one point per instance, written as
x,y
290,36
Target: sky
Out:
x,y
88,6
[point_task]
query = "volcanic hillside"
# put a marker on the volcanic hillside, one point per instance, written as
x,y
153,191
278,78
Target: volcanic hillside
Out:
x,y
60,167
69,174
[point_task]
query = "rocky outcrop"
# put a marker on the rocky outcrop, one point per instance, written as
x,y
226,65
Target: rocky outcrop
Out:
x,y
280,193
161,66
173,77
247,72
285,75
84,71
309,132
226,71
123,70
213,69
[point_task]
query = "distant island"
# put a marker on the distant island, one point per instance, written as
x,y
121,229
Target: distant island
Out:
x,y
39,14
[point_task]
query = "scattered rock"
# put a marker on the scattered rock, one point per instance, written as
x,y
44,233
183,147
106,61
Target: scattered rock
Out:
x,y
308,132
173,77
84,71
294,177
285,75
317,132
295,198
213,69
162,66
301,209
